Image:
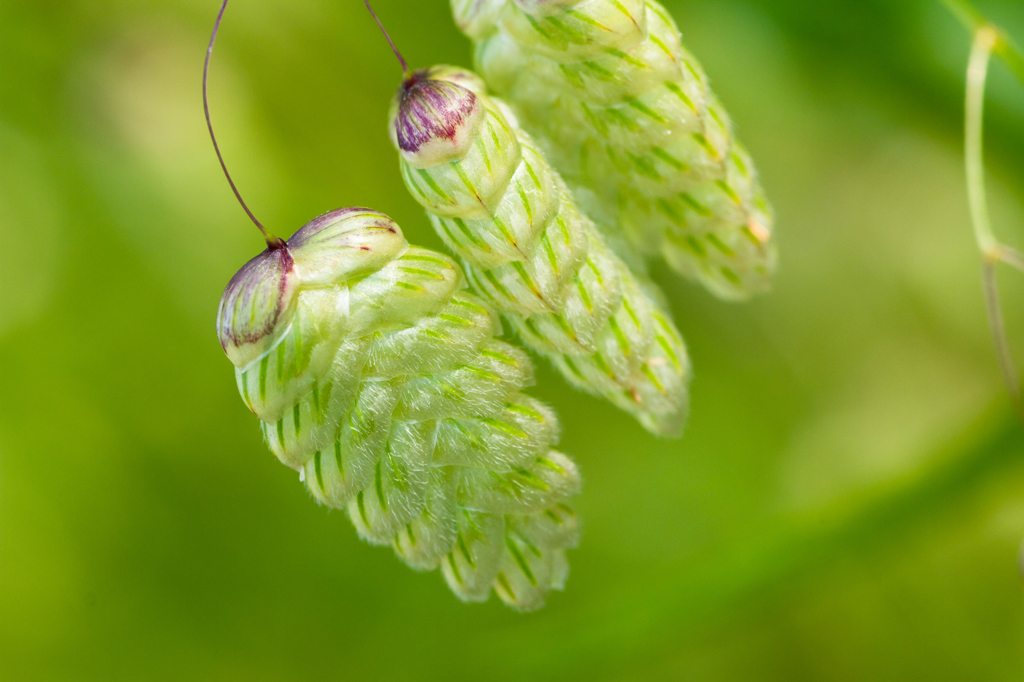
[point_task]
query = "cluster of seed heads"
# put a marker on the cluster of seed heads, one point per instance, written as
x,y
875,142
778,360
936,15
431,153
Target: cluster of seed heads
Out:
x,y
378,375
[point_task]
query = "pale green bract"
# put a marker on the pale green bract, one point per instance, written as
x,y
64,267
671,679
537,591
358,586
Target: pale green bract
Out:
x,y
530,252
628,117
378,377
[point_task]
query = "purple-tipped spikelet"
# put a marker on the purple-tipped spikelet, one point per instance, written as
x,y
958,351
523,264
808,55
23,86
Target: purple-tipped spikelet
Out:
x,y
435,121
256,301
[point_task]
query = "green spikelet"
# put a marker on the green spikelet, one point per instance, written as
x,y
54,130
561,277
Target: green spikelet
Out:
x,y
629,119
530,252
378,377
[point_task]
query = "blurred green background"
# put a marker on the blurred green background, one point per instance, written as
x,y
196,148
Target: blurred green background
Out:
x,y
848,503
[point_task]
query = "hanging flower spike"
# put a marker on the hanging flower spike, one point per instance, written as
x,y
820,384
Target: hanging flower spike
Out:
x,y
530,252
377,376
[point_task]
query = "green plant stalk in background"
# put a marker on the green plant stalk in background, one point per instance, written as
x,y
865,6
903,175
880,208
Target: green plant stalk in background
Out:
x,y
628,117
988,40
378,378
498,204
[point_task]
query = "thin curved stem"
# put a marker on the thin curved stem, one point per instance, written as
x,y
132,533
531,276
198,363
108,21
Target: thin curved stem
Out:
x,y
995,315
394,48
986,38
272,241
977,75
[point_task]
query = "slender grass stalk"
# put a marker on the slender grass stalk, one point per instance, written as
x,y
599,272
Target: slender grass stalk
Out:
x,y
988,40
977,76
995,314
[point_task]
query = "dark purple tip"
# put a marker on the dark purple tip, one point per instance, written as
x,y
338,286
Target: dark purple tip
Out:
x,y
256,298
431,109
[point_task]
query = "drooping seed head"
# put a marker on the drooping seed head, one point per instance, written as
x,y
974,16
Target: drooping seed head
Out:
x,y
259,303
434,117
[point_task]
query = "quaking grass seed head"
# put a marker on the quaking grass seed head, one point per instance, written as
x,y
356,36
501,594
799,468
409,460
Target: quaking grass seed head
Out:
x,y
537,259
465,478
